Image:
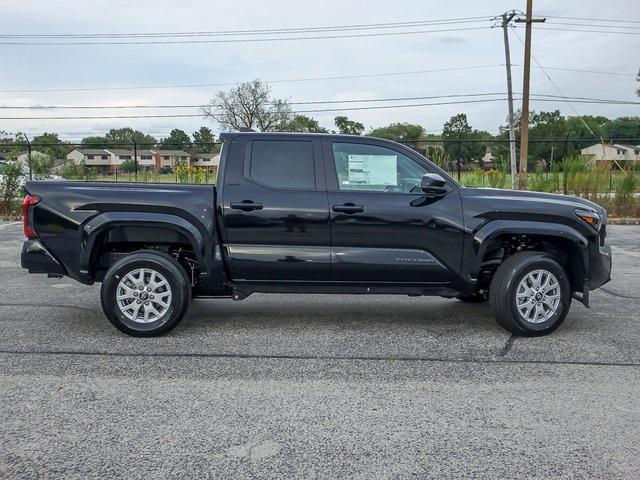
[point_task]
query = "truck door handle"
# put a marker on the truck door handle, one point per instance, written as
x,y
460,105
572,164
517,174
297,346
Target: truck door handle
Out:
x,y
348,208
246,205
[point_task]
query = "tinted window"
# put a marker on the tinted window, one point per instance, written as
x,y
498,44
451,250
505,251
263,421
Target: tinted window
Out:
x,y
373,168
283,164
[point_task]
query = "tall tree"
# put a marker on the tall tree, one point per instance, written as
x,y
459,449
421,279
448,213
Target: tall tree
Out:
x,y
249,105
97,142
301,124
51,145
623,127
400,132
348,127
454,134
124,137
177,140
203,140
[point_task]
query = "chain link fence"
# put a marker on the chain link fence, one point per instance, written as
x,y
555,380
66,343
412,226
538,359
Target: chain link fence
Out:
x,y
607,171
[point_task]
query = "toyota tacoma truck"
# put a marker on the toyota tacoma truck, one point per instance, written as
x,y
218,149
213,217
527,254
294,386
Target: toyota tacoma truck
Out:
x,y
309,213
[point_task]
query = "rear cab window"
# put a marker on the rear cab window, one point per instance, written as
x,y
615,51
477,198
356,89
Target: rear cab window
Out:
x,y
285,164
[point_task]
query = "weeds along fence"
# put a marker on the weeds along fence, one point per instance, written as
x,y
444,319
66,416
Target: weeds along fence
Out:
x,y
606,171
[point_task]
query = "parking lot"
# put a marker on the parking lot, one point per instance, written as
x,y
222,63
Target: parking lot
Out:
x,y
320,386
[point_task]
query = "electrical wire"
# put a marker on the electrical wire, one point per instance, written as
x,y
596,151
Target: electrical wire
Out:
x,y
579,30
555,85
246,32
308,102
246,40
308,79
357,108
592,19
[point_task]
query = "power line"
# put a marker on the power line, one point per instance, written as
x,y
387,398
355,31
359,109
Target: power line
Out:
x,y
579,70
246,32
555,85
632,27
248,40
583,30
289,80
307,79
308,102
593,19
376,107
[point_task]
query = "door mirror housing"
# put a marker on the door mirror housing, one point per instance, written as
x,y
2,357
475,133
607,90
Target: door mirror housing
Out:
x,y
433,185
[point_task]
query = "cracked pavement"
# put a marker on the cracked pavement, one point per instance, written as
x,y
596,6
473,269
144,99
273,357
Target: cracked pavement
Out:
x,y
286,386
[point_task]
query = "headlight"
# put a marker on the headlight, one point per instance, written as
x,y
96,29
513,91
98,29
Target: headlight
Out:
x,y
592,218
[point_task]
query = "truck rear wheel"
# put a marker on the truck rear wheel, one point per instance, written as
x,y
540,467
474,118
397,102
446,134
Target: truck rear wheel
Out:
x,y
145,294
530,294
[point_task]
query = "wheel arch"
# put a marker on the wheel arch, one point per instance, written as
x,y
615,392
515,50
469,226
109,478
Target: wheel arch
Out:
x,y
568,245
167,228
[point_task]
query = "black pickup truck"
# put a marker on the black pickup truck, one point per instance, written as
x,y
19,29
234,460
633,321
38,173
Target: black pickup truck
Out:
x,y
305,213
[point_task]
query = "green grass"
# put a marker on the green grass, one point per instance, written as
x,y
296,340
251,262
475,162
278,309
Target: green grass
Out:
x,y
144,177
548,181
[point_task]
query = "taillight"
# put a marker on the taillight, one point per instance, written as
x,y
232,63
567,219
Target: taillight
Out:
x,y
28,201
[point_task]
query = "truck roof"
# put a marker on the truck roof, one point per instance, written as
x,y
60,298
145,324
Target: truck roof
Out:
x,y
228,136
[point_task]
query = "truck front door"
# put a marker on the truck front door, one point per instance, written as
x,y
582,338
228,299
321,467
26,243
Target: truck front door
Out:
x,y
383,229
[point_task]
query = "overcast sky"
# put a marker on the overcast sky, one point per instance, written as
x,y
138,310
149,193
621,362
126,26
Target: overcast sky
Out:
x,y
83,66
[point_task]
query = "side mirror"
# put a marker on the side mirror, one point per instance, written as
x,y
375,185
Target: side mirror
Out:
x,y
433,185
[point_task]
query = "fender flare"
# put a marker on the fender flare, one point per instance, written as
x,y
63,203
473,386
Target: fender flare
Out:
x,y
484,237
103,222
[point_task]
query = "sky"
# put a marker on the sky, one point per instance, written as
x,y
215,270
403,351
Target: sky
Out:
x,y
456,62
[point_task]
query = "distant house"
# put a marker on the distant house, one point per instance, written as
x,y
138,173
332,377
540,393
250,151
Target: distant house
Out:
x,y
97,158
22,157
601,153
108,160
205,159
170,158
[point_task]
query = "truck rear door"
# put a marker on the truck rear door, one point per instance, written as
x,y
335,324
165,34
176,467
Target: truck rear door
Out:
x,y
275,211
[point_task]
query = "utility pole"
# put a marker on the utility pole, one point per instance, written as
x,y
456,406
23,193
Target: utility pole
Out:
x,y
524,120
29,156
135,159
506,18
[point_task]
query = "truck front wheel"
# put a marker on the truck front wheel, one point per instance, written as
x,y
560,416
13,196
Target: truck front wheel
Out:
x,y
145,294
530,294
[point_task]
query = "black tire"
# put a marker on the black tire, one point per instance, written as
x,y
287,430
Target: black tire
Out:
x,y
178,286
474,298
503,293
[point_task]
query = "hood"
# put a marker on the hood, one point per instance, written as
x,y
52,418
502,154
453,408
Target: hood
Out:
x,y
520,196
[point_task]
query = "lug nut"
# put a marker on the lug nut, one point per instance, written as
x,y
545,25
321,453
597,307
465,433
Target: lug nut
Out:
x,y
140,288
138,301
151,297
148,289
135,294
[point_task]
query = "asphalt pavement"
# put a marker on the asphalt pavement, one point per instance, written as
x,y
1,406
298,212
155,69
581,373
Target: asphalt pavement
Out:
x,y
304,386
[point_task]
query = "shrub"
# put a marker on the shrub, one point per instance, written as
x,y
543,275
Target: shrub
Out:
x,y
70,170
10,186
496,179
128,166
624,195
539,182
41,164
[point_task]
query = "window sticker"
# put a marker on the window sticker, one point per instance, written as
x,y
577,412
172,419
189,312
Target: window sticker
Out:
x,y
373,170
